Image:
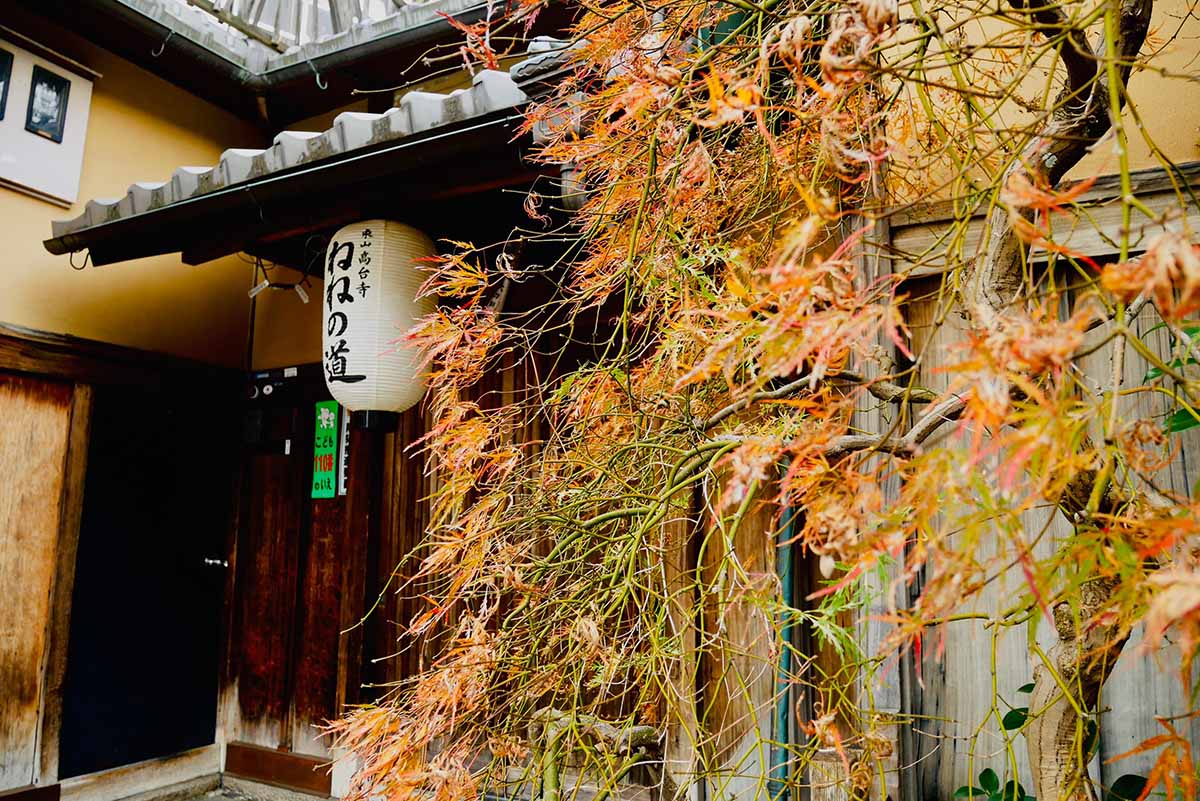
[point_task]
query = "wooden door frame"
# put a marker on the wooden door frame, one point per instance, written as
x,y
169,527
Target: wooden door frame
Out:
x,y
361,519
58,626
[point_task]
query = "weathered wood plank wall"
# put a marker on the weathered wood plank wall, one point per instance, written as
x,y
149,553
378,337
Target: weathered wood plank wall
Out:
x,y
737,572
261,634
298,581
316,684
1144,683
70,517
954,732
34,426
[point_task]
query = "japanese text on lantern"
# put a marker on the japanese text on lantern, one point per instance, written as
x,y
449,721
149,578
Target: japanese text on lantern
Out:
x,y
341,272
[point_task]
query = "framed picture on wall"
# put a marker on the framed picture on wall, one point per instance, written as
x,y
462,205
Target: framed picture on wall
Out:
x,y
6,62
47,112
44,128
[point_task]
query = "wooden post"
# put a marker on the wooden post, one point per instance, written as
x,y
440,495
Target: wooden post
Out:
x,y
361,531
830,776
58,626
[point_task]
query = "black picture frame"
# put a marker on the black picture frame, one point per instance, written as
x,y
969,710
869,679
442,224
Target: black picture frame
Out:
x,y
46,115
6,62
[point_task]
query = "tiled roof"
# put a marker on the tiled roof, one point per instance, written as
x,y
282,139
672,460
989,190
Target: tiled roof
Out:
x,y
418,112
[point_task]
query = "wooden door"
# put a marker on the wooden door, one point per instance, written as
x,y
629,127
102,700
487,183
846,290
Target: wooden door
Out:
x,y
299,573
143,655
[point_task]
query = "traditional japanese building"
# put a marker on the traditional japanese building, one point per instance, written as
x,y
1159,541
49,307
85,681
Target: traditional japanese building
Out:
x,y
198,542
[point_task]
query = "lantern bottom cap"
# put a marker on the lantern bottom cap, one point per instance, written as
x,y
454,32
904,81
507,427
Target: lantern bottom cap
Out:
x,y
370,420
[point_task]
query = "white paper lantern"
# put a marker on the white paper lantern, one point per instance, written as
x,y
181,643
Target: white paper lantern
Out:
x,y
371,280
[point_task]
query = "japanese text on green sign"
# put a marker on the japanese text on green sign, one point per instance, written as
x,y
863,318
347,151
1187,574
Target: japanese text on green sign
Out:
x,y
325,443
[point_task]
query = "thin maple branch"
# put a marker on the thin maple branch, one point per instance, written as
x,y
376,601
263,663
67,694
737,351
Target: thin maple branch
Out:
x,y
882,389
945,411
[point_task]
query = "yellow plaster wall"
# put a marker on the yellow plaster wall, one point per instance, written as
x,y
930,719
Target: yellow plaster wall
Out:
x,y
1162,122
1165,112
140,128
286,330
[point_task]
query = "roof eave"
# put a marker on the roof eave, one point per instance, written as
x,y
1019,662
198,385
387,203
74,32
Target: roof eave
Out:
x,y
393,177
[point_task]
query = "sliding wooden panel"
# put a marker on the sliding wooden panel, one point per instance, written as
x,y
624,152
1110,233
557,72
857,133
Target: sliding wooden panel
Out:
x,y
336,584
34,425
304,571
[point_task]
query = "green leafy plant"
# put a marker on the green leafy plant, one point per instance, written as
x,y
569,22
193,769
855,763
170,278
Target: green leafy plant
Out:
x,y
1186,417
990,788
1016,716
1127,788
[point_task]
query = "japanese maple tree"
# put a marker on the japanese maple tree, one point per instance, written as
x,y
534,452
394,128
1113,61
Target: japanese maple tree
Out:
x,y
728,338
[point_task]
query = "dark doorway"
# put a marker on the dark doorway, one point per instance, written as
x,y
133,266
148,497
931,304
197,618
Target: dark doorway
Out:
x,y
141,679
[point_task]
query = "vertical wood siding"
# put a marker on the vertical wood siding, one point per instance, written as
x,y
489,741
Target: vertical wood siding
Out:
x,y
301,646
1144,683
34,425
954,730
294,649
70,517
315,696
739,699
265,605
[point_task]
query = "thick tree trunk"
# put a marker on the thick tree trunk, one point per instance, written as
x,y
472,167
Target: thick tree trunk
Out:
x,y
1078,665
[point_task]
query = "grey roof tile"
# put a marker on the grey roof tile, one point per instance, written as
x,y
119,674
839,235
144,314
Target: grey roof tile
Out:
x,y
546,54
297,147
240,164
355,129
189,181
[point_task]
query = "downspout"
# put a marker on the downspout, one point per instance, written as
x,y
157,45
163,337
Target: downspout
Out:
x,y
777,783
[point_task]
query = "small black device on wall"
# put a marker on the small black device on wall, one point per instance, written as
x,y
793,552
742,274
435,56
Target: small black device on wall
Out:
x,y
47,112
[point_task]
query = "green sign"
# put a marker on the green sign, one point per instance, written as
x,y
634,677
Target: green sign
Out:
x,y
325,444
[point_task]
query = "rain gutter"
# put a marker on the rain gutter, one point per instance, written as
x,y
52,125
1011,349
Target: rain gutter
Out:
x,y
277,96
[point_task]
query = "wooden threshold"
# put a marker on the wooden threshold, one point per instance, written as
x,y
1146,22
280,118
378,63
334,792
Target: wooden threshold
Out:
x,y
306,774
142,777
